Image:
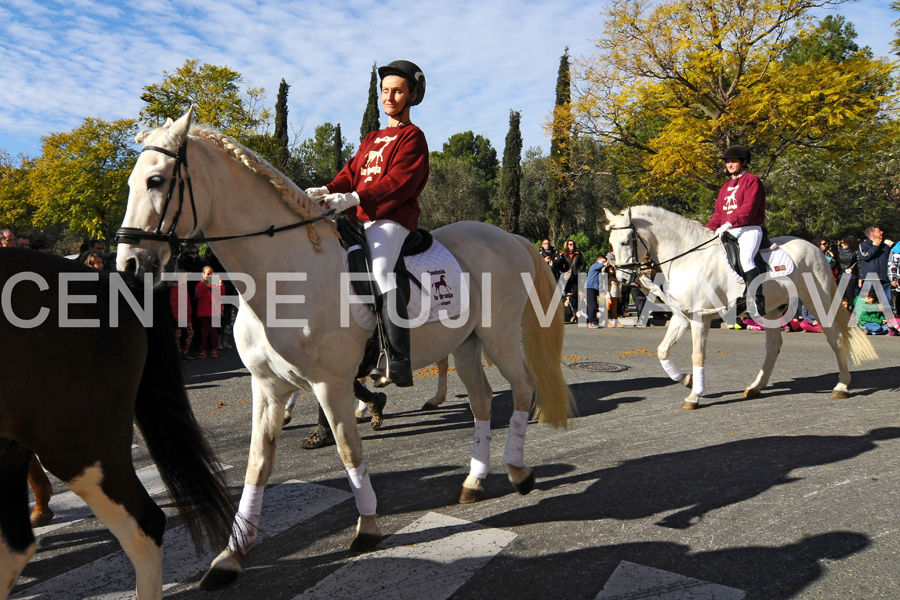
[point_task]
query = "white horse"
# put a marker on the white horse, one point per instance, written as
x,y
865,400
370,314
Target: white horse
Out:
x,y
289,331
698,286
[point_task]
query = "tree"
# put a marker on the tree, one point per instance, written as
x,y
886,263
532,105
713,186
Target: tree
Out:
x,y
281,125
371,120
81,177
560,129
895,44
509,201
477,151
320,155
674,83
456,191
15,209
220,95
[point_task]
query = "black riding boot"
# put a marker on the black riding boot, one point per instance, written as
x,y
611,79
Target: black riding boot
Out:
x,y
399,371
759,299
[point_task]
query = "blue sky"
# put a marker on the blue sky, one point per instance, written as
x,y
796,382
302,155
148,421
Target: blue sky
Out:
x,y
63,61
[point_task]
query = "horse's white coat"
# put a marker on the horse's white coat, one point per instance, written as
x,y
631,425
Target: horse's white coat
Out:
x,y
231,198
698,287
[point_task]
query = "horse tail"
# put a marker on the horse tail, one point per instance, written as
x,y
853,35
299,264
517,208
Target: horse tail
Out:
x,y
175,439
553,400
855,346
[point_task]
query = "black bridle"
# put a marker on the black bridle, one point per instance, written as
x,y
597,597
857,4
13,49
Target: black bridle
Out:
x,y
631,269
181,177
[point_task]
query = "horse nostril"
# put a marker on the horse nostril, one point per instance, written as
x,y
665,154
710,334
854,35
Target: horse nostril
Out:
x,y
131,266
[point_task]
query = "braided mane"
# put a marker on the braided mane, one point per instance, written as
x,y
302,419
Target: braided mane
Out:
x,y
292,195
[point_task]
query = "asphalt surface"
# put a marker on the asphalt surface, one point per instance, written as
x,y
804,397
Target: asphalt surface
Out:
x,y
789,495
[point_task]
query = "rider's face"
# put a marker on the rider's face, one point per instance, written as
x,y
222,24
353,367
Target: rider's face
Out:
x,y
394,95
734,165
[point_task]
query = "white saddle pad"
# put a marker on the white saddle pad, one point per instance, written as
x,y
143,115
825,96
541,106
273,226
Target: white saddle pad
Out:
x,y
439,298
778,262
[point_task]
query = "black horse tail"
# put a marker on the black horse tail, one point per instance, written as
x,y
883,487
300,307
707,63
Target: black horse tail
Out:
x,y
175,440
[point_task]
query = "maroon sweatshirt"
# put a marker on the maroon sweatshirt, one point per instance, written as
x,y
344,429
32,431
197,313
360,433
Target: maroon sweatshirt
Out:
x,y
388,173
741,202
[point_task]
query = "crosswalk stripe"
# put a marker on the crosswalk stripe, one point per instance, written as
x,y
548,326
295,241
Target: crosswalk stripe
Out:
x,y
631,581
112,577
427,560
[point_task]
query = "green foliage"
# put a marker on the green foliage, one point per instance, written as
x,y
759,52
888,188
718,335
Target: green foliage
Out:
x,y
15,210
558,200
281,125
371,120
509,200
832,39
219,93
456,191
319,156
81,177
477,151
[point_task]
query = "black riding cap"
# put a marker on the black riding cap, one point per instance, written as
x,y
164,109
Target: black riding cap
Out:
x,y
411,73
741,152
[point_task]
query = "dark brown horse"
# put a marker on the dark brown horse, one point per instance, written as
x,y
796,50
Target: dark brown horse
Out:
x,y
85,354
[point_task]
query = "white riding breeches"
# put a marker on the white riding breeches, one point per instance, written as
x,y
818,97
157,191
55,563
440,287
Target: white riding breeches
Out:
x,y
385,241
749,238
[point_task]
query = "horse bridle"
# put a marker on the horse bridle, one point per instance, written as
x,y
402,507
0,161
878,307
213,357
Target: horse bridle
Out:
x,y
181,176
629,268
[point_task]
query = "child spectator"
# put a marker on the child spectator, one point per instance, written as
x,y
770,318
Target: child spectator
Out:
x,y
209,293
870,317
612,297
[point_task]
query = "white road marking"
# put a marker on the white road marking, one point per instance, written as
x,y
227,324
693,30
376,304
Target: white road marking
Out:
x,y
428,560
112,577
631,581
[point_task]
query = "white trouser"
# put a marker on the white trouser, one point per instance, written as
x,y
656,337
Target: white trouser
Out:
x,y
385,240
749,237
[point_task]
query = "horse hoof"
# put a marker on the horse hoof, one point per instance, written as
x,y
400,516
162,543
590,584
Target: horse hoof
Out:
x,y
526,485
470,496
39,519
376,407
223,572
751,393
687,405
287,418
364,542
840,394
687,381
429,406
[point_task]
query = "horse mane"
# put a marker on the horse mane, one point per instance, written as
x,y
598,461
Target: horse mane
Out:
x,y
673,220
292,195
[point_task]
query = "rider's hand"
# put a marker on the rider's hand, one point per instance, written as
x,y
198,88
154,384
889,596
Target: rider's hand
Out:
x,y
723,228
317,192
340,202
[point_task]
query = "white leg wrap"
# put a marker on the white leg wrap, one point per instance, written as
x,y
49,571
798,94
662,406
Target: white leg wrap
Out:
x,y
514,454
699,381
246,521
292,401
362,489
671,368
361,407
481,450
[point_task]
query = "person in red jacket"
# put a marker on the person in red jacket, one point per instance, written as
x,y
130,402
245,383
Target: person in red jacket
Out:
x,y
741,210
382,184
209,294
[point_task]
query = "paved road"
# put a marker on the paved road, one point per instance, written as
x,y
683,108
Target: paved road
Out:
x,y
790,495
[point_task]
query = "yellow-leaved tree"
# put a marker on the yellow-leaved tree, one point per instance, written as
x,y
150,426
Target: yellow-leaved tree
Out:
x,y
673,83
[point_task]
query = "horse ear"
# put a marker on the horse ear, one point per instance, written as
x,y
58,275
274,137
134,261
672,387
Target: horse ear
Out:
x,y
628,214
180,128
169,122
609,215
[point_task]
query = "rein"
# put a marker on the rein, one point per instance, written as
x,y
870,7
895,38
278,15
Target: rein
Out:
x,y
630,267
134,235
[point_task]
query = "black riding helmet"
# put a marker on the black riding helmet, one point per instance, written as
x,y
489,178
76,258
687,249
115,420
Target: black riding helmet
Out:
x,y
411,73
741,152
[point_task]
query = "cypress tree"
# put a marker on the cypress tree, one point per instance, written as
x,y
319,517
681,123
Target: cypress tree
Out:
x,y
371,120
338,151
557,188
281,125
510,198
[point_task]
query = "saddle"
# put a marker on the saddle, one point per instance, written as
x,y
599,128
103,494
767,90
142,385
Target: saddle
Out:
x,y
353,239
771,258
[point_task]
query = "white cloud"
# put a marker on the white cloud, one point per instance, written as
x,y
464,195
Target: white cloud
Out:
x,y
64,61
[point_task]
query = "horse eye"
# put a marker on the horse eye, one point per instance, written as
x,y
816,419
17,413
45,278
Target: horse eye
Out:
x,y
154,182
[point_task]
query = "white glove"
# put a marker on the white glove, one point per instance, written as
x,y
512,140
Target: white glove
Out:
x,y
340,202
722,229
317,192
